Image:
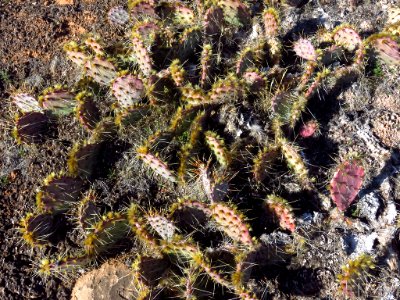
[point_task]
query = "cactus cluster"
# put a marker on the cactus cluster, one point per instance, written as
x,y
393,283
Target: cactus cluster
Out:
x,y
202,65
353,271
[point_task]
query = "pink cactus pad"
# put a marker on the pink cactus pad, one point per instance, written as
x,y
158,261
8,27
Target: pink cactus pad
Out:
x,y
283,211
305,49
309,129
95,46
146,29
128,90
388,50
346,183
77,57
58,100
141,54
156,164
183,15
255,80
142,9
231,223
271,23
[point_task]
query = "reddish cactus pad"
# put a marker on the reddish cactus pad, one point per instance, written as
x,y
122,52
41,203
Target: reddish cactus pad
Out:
x,y
346,183
309,129
255,81
230,222
283,211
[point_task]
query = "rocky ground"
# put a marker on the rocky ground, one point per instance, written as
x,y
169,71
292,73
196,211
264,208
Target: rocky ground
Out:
x,y
364,118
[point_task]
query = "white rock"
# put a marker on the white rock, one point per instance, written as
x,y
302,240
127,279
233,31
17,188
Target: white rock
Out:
x,y
368,206
358,244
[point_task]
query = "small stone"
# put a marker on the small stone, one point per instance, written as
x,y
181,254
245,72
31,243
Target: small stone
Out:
x,y
368,206
386,125
65,2
112,281
396,183
366,26
386,189
356,244
390,214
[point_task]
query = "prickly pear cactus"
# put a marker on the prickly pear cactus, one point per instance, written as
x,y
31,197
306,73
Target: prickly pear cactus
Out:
x,y
192,154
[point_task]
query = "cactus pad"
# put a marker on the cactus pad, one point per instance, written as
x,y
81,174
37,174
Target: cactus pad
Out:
x,y
111,228
352,271
283,211
76,53
94,45
164,227
59,193
304,49
63,267
309,129
26,103
82,159
387,49
87,112
158,166
296,163
117,15
88,212
101,70
178,73
141,55
271,22
31,127
213,21
140,9
236,13
128,89
231,223
36,229
59,100
218,147
255,80
346,37
346,183
263,162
